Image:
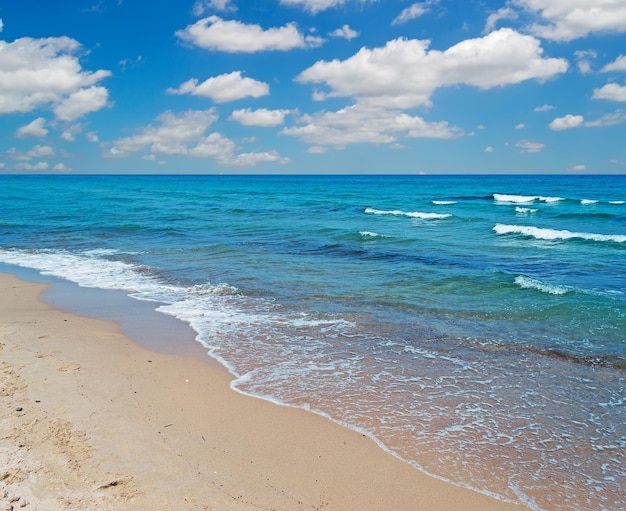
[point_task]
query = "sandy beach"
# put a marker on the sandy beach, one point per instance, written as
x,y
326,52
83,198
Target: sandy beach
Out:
x,y
91,420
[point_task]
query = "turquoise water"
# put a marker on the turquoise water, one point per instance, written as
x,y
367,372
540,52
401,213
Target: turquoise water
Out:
x,y
465,322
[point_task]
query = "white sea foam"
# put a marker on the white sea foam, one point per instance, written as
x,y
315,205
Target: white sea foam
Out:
x,y
370,234
588,202
525,211
529,283
616,202
410,214
444,202
550,200
523,199
553,234
516,199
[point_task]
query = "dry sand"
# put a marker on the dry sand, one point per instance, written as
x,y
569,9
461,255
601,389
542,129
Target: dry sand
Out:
x,y
90,420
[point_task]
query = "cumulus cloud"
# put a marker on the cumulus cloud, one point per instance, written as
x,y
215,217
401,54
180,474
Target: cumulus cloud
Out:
x,y
501,14
619,64
611,91
360,124
214,33
70,133
35,128
61,167
223,150
565,20
224,88
92,136
414,11
544,108
172,134
81,102
40,151
567,122
39,73
201,7
576,121
37,151
404,73
584,58
261,117
345,32
529,146
489,149
36,167
313,6
186,134
612,119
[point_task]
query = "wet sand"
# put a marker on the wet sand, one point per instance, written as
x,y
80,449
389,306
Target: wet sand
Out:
x,y
91,420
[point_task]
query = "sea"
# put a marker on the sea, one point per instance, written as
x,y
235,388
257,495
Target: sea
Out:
x,y
473,325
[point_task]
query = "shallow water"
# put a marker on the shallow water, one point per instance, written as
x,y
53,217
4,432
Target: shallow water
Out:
x,y
466,322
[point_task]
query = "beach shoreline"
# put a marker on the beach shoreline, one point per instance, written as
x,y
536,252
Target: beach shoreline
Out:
x,y
90,419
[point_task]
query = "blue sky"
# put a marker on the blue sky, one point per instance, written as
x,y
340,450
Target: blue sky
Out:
x,y
313,86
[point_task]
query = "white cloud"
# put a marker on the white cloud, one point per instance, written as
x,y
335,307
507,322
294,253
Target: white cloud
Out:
x,y
223,150
359,124
316,149
579,168
544,108
1,24
186,134
404,73
346,32
81,102
567,122
214,33
130,63
520,126
224,88
313,6
584,58
70,133
61,167
414,11
38,73
40,151
611,91
37,151
173,134
489,149
501,14
203,6
565,20
261,117
619,64
35,128
92,136
37,167
612,119
528,146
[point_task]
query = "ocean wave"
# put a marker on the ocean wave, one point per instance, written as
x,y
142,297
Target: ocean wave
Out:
x,y
617,202
588,202
524,211
444,202
523,199
530,283
410,214
370,234
553,234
